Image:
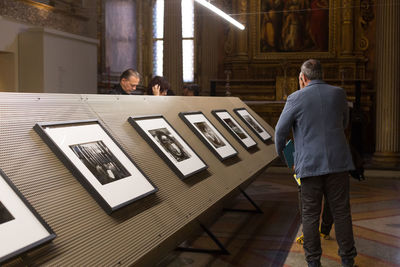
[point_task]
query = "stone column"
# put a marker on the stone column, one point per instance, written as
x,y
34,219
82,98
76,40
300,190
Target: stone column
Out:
x,y
387,150
347,27
173,44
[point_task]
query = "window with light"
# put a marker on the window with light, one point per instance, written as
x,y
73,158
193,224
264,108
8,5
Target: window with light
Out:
x,y
187,39
158,37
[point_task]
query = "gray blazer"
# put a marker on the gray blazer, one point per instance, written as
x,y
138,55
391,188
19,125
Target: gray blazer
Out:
x,y
318,114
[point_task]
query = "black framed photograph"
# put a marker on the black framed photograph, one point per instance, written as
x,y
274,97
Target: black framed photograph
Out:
x,y
225,118
171,147
97,161
252,123
21,227
208,134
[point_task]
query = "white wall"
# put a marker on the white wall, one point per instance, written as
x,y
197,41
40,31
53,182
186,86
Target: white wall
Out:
x,y
9,31
70,63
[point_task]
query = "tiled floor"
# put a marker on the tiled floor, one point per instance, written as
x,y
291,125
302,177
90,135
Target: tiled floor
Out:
x,y
268,239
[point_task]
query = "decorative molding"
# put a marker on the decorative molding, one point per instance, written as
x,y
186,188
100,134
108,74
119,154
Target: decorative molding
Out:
x,y
42,15
366,16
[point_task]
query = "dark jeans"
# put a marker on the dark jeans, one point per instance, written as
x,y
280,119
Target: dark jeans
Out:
x,y
327,219
335,187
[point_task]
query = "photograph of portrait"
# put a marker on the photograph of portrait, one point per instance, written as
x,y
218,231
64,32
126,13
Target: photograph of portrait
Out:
x,y
168,144
234,128
208,134
99,163
21,227
211,136
294,25
5,215
252,123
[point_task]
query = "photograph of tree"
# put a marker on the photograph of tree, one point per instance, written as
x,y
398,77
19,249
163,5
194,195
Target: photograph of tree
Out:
x,y
100,161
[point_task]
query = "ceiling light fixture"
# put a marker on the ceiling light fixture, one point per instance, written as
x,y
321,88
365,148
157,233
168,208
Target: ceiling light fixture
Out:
x,y
221,13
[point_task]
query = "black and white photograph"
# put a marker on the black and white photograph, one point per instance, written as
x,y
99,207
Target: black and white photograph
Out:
x,y
5,215
252,123
168,144
234,128
208,134
211,136
21,228
99,163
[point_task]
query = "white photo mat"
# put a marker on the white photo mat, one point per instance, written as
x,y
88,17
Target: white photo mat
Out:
x,y
20,228
252,123
234,127
116,193
215,139
190,164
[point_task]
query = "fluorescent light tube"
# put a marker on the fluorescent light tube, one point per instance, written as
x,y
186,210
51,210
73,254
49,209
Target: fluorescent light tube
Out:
x,y
221,13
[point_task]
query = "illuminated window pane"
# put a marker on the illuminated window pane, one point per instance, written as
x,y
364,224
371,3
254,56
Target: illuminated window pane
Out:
x,y
158,35
188,60
187,19
158,19
158,49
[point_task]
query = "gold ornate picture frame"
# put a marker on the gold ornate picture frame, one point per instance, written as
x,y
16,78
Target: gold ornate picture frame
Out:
x,y
288,15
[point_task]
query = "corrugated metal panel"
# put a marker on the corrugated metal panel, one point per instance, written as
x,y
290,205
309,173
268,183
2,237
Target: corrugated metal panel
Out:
x,y
86,234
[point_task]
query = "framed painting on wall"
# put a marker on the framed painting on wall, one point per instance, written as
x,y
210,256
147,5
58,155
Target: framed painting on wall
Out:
x,y
283,28
171,147
21,227
225,118
252,123
208,134
97,161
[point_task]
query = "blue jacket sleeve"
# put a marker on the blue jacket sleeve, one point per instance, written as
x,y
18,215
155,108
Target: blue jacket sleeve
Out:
x,y
284,125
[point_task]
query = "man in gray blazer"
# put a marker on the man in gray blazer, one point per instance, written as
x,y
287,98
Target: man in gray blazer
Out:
x,y
318,115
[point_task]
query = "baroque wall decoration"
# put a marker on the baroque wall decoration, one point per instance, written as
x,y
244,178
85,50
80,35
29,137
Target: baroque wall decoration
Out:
x,y
64,18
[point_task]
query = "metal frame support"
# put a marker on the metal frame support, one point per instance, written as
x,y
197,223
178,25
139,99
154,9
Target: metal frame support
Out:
x,y
221,250
256,209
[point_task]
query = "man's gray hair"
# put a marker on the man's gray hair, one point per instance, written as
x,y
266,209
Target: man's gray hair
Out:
x,y
312,69
128,73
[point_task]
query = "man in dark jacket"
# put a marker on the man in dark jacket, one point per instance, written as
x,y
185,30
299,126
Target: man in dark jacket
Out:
x,y
318,115
128,82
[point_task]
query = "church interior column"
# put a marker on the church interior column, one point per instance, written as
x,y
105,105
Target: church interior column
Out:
x,y
173,45
387,149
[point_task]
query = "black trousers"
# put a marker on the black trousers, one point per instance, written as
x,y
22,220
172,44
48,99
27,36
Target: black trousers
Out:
x,y
335,187
327,219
